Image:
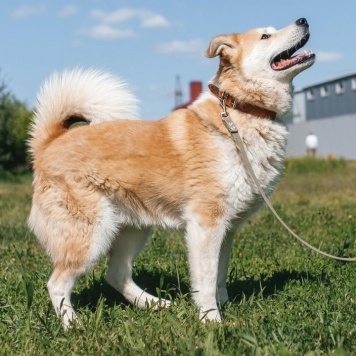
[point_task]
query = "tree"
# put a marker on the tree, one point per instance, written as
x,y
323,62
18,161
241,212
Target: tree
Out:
x,y
15,118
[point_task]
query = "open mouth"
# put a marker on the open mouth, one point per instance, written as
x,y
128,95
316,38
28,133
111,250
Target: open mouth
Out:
x,y
286,59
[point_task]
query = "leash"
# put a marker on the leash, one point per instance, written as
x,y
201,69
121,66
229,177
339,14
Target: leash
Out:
x,y
229,124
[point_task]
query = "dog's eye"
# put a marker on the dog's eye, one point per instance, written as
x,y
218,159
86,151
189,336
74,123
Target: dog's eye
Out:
x,y
265,37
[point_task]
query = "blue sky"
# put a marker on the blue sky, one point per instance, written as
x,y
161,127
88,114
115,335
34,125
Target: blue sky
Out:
x,y
149,43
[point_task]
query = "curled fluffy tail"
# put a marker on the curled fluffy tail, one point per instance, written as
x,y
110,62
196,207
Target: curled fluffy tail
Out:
x,y
78,95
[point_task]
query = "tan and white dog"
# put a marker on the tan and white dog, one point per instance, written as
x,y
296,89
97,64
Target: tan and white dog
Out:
x,y
98,188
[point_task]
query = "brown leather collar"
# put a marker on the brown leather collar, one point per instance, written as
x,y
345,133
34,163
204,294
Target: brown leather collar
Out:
x,y
232,103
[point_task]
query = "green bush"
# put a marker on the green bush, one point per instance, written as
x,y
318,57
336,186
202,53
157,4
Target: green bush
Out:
x,y
14,122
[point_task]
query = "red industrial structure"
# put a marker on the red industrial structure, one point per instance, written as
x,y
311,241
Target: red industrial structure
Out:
x,y
196,87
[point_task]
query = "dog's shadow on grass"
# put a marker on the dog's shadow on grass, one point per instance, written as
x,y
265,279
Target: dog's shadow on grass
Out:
x,y
266,286
170,287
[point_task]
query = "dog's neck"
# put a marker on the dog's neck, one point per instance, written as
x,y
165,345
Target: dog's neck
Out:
x,y
233,103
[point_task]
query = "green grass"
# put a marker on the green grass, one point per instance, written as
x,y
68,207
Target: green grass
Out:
x,y
286,300
312,165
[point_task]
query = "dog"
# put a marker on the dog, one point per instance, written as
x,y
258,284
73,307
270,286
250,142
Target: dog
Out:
x,y
99,188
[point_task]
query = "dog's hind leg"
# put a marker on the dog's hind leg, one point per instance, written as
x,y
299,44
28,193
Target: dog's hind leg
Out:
x,y
75,236
125,249
60,287
76,256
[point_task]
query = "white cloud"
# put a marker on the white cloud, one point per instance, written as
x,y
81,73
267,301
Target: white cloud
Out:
x,y
27,11
118,16
68,11
147,19
107,32
194,46
151,20
327,57
109,23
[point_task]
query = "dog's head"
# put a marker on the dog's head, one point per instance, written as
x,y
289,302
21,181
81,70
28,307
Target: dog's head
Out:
x,y
261,58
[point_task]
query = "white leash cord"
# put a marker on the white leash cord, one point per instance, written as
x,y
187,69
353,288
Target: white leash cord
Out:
x,y
240,146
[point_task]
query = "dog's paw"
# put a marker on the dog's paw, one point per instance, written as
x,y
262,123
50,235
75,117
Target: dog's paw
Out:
x,y
69,319
163,303
212,315
153,303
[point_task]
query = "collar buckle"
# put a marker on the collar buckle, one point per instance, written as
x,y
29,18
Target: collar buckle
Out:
x,y
227,100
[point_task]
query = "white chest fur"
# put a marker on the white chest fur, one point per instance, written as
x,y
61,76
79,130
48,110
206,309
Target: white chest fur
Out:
x,y
264,142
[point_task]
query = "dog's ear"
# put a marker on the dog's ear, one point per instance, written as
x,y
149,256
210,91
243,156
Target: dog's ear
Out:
x,y
218,45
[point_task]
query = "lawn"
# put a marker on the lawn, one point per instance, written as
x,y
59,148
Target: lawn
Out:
x,y
285,300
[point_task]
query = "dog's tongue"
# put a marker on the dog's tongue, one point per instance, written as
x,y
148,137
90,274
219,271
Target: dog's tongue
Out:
x,y
290,62
284,63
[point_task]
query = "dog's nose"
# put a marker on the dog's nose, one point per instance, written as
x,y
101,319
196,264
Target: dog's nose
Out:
x,y
302,22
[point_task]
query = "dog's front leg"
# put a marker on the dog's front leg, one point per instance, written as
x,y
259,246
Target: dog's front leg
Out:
x,y
204,243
